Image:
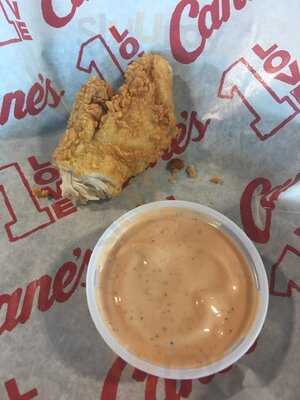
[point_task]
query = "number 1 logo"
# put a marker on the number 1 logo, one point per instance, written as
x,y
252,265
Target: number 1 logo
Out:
x,y
279,73
15,197
238,79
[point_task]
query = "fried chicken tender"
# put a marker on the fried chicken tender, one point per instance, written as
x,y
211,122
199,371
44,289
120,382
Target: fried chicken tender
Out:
x,y
113,137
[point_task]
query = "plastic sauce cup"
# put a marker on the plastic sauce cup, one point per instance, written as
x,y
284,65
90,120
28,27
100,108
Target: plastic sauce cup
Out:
x,y
243,243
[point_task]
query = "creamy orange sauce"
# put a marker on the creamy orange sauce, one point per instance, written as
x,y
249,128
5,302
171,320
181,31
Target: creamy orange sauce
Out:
x,y
176,291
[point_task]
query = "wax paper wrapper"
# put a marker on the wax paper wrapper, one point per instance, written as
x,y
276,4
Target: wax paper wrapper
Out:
x,y
237,93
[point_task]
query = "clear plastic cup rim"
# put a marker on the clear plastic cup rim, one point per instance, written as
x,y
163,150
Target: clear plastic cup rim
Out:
x,y
241,240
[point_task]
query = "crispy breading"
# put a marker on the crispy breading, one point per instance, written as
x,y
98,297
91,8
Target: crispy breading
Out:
x,y
112,137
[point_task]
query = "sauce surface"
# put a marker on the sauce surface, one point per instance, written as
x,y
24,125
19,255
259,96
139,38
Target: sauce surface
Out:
x,y
176,291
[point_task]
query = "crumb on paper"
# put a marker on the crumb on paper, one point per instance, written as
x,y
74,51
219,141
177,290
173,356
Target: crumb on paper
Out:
x,y
175,165
216,180
40,193
191,171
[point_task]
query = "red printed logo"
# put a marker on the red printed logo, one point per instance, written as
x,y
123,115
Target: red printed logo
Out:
x,y
20,104
278,68
288,264
217,12
172,391
12,28
13,391
191,129
53,18
21,212
128,48
257,204
16,307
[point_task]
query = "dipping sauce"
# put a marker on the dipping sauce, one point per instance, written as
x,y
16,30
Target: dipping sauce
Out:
x,y
176,291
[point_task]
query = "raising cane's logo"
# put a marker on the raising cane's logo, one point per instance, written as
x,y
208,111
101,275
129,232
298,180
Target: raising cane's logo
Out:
x,y
172,391
16,307
13,391
12,28
259,199
51,16
22,214
42,294
120,49
219,12
258,203
41,94
271,79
